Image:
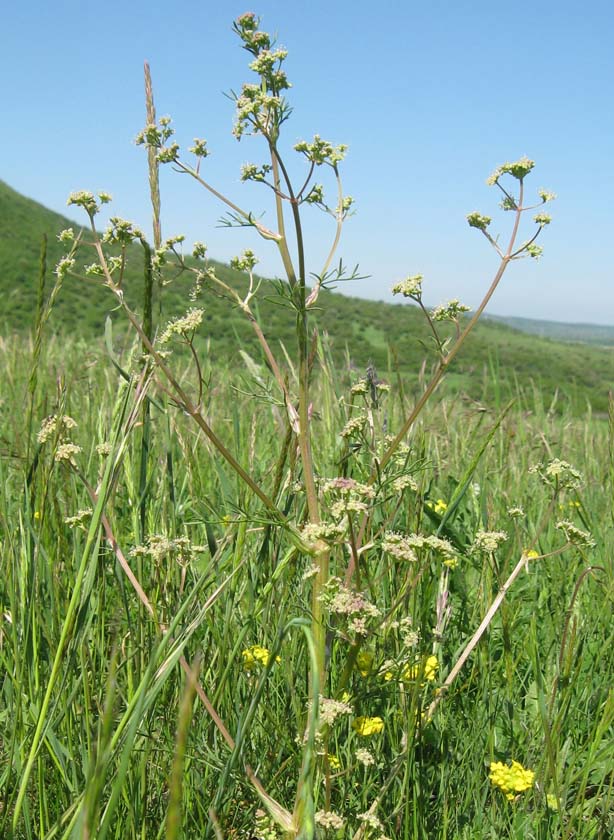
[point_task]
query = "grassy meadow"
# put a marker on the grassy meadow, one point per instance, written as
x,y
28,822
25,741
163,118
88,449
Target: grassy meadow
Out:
x,y
278,564
127,749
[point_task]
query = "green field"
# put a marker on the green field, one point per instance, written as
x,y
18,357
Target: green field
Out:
x,y
360,331
276,566
125,748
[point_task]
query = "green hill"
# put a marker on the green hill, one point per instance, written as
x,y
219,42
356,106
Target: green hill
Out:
x,y
600,334
393,337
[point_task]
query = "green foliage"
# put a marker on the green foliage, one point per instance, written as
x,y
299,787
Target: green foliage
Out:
x,y
536,689
360,330
174,517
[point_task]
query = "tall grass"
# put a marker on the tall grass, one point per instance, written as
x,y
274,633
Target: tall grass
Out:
x,y
115,727
295,601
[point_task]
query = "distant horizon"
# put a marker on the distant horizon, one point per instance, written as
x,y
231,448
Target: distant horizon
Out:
x,y
347,290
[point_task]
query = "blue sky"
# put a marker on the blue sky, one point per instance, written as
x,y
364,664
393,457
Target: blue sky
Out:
x,y
430,97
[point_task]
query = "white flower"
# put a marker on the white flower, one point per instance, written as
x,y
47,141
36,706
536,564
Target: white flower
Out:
x,y
365,757
410,287
182,326
328,819
488,541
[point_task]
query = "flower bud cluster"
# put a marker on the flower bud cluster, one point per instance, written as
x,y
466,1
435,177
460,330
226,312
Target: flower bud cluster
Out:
x,y
353,426
519,170
329,820
545,195
160,547
64,267
87,200
347,202
121,232
79,519
253,172
442,548
200,148
348,496
94,270
159,257
576,535
315,195
330,710
364,757
398,546
411,287
184,326
66,452
67,235
156,136
245,262
477,220
558,474
314,533
516,512
321,152
404,482
486,542
201,275
55,425
449,311
354,606
534,251
508,203
260,107
257,112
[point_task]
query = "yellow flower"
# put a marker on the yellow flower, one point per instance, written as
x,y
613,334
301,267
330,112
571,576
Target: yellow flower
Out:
x,y
430,668
37,514
256,655
440,506
367,726
333,761
410,673
530,553
511,780
571,503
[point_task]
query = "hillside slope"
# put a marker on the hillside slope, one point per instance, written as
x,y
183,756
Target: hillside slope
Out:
x,y
391,336
599,334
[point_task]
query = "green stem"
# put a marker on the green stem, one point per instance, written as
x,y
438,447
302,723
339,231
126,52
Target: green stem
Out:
x,y
282,244
335,244
186,403
304,437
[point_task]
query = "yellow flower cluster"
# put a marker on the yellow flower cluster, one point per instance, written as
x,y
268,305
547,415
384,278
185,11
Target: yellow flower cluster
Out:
x,y
410,673
256,655
440,506
367,726
511,780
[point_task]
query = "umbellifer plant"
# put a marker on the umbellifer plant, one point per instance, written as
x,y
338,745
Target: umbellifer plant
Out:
x,y
336,525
